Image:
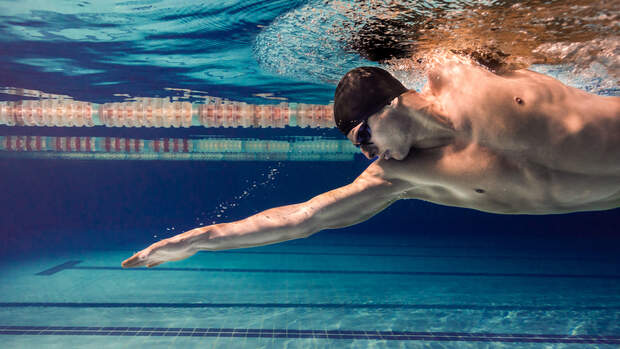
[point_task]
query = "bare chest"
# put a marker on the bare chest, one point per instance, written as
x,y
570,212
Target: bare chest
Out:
x,y
477,177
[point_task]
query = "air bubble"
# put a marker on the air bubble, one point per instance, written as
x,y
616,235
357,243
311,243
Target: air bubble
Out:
x,y
221,209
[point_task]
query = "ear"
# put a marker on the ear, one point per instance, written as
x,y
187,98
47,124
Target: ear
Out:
x,y
398,101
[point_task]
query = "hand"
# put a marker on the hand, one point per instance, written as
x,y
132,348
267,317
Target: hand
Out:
x,y
167,250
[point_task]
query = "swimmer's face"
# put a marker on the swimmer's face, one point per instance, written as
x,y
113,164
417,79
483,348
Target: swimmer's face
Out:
x,y
383,134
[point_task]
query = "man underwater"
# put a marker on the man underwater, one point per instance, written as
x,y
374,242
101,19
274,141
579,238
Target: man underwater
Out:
x,y
515,143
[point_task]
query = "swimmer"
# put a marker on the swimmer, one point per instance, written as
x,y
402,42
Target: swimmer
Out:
x,y
515,143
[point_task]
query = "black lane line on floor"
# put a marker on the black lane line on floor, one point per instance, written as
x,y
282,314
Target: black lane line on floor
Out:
x,y
369,272
506,246
72,265
407,255
323,334
309,305
536,258
58,268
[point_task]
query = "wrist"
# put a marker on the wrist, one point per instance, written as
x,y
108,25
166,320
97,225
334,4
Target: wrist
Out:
x,y
203,238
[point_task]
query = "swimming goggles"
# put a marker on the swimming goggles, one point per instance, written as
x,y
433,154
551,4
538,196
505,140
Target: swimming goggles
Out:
x,y
363,135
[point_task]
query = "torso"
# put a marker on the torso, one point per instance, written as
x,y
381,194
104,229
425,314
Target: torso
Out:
x,y
525,144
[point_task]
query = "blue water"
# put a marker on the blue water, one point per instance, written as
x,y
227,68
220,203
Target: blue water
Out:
x,y
416,275
141,47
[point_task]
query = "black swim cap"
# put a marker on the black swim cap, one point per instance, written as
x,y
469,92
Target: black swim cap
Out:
x,y
362,92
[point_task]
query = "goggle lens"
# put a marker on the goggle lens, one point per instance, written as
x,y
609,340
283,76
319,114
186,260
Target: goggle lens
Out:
x,y
363,135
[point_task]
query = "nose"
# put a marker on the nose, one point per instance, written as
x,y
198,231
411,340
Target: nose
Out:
x,y
369,154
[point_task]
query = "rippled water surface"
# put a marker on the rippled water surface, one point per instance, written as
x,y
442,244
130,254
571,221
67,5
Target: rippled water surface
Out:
x,y
297,50
576,41
93,49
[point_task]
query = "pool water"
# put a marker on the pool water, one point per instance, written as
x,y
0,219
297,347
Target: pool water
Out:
x,y
77,201
330,290
416,275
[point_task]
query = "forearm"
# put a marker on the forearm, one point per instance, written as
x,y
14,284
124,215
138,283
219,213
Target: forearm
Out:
x,y
267,227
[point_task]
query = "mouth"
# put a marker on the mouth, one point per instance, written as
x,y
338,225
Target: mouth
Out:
x,y
386,155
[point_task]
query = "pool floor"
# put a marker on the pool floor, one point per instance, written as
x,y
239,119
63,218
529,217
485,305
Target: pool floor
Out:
x,y
327,291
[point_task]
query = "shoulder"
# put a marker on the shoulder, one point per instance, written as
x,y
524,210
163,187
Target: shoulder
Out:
x,y
444,78
418,167
386,173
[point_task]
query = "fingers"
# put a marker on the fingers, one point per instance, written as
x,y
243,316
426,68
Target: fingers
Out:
x,y
131,262
156,254
137,260
153,264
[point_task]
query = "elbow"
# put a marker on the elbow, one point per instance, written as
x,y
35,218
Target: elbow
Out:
x,y
306,233
303,231
305,223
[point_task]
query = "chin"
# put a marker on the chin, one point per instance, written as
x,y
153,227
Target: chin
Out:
x,y
401,155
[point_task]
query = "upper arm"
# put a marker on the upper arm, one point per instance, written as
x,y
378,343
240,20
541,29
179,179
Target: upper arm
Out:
x,y
367,195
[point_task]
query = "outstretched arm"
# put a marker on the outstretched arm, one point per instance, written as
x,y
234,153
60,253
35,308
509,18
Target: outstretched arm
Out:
x,y
369,194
